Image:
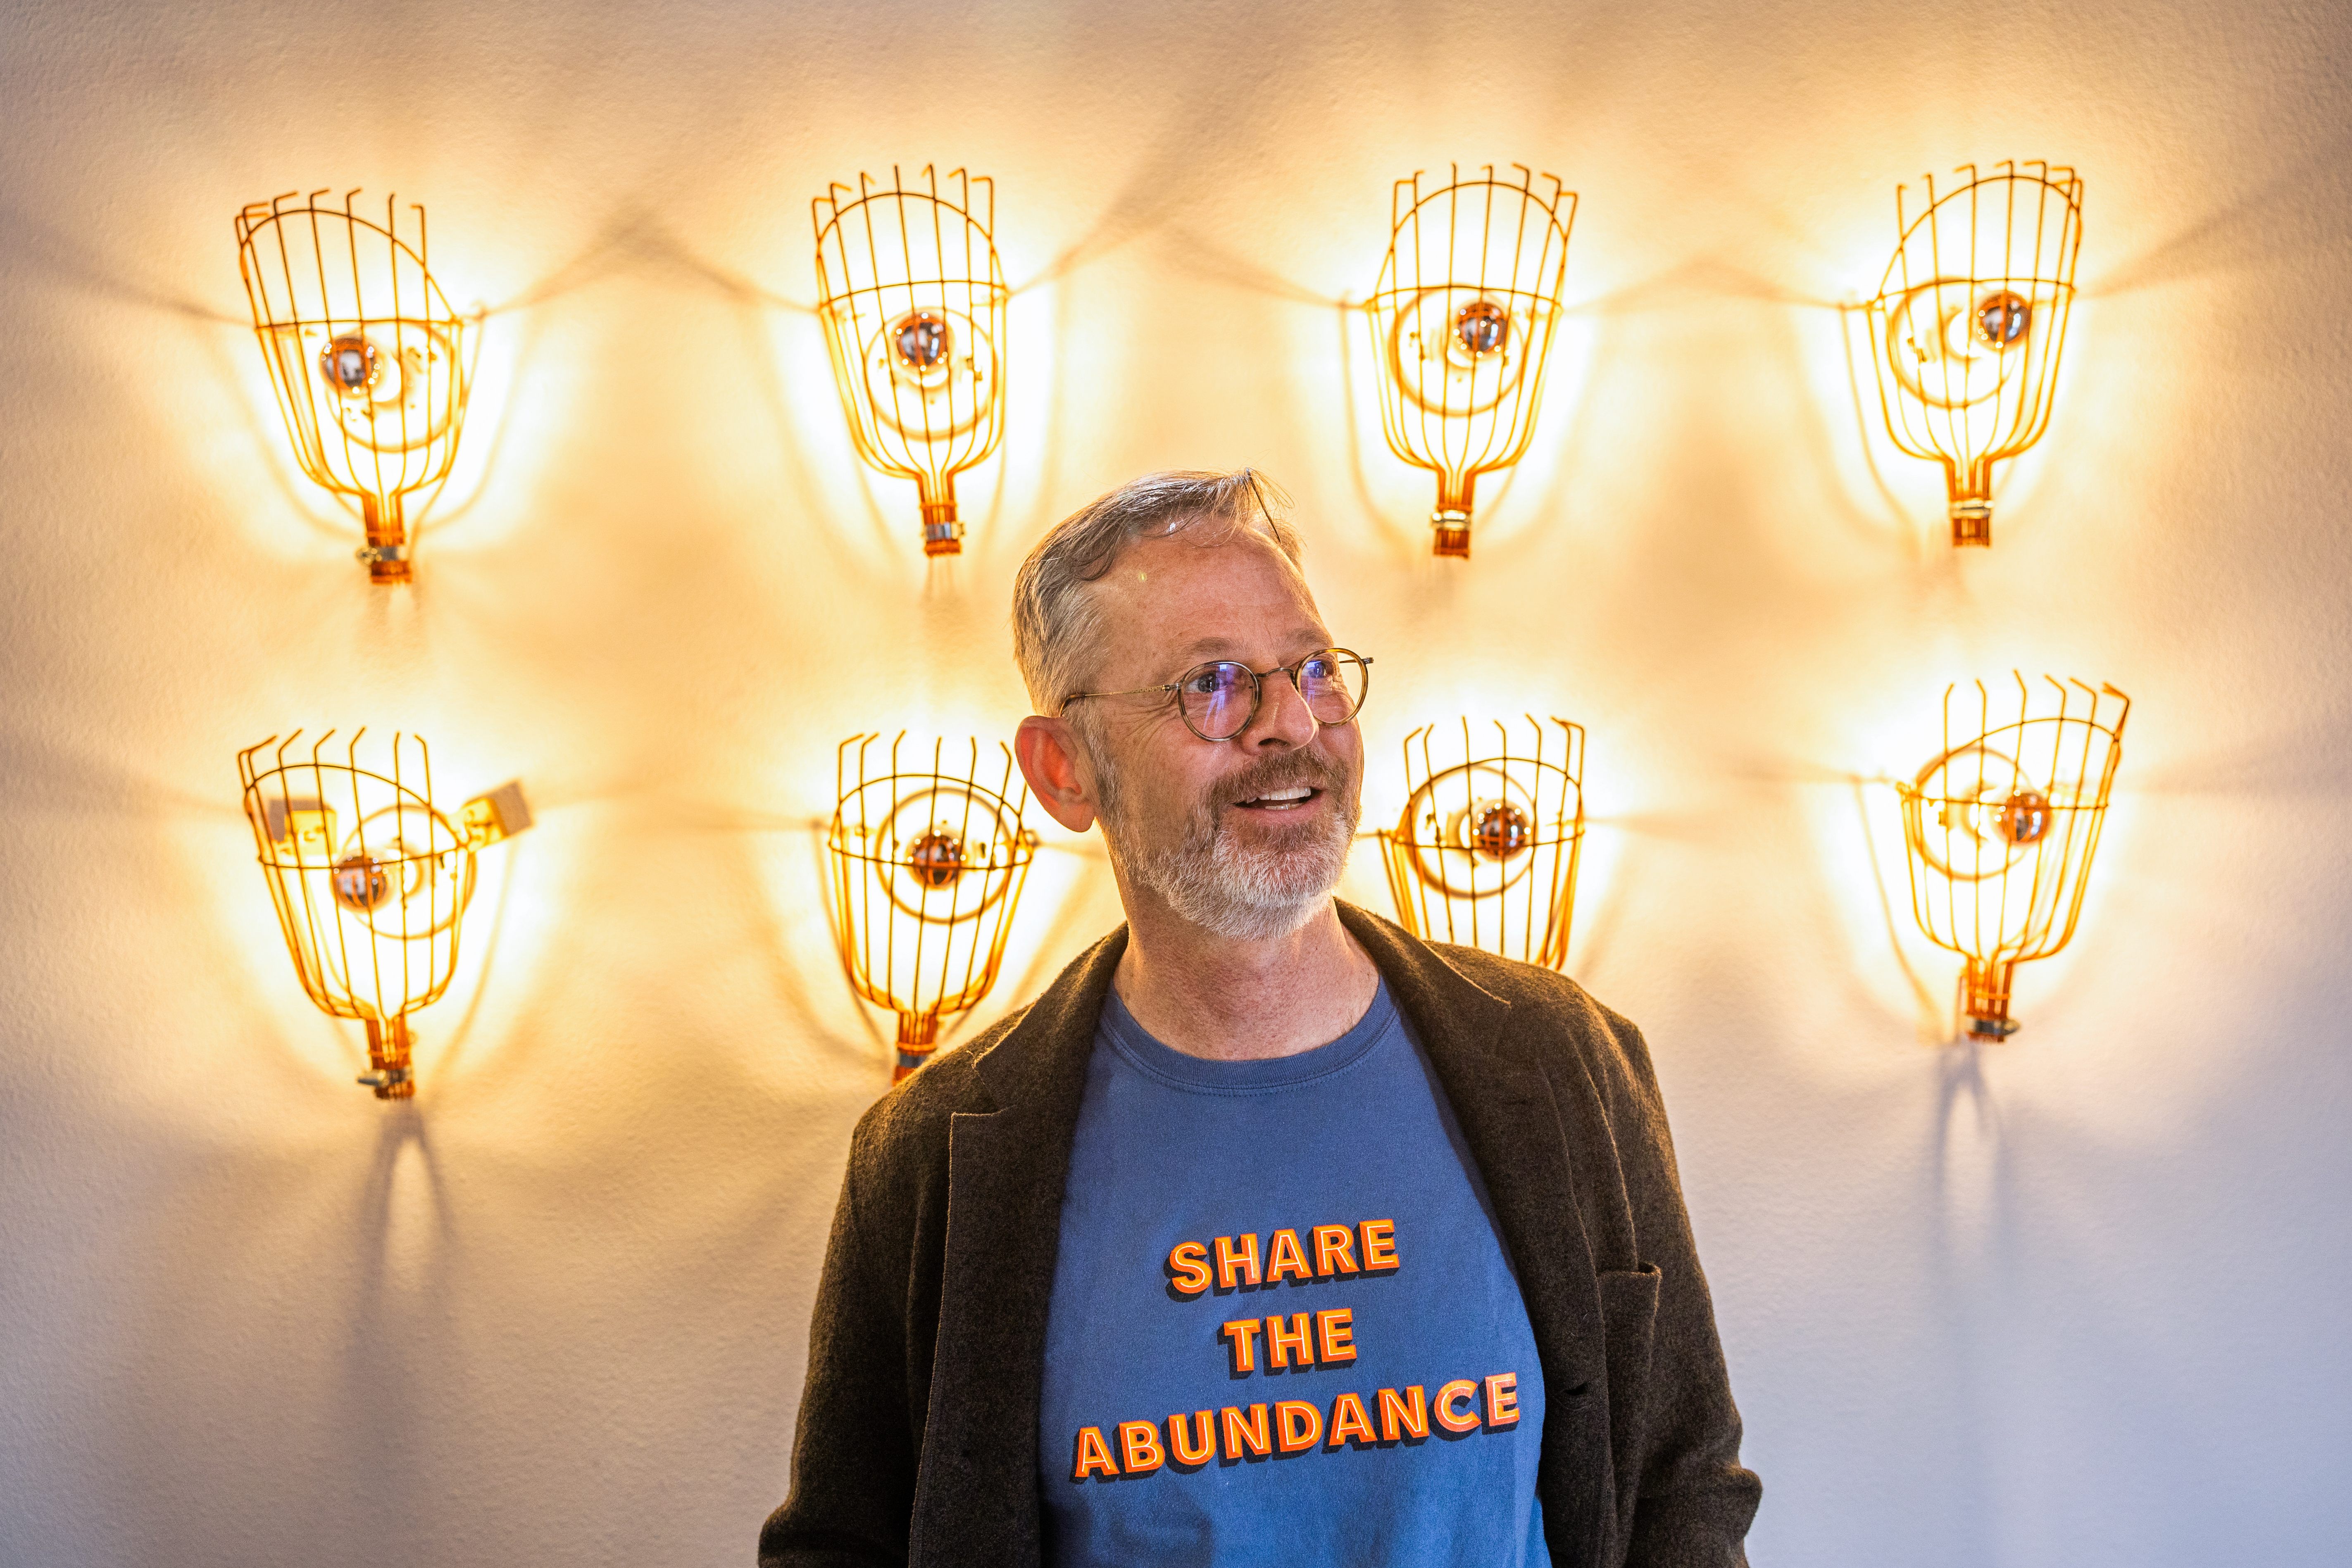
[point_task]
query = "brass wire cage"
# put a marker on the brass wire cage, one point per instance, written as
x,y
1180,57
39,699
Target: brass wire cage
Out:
x,y
1462,317
1969,322
365,353
371,878
2001,827
1487,849
913,301
927,863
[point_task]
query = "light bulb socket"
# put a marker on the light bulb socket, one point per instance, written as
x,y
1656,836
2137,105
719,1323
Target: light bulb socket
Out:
x,y
919,1036
1984,1000
1972,523
391,1073
386,563
942,532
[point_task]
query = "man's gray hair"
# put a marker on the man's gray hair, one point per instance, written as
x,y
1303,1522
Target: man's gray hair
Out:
x,y
1056,624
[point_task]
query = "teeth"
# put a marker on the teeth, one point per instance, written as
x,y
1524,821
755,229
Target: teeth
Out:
x,y
1299,792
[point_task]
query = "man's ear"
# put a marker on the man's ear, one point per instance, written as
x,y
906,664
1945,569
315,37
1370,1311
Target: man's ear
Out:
x,y
1048,754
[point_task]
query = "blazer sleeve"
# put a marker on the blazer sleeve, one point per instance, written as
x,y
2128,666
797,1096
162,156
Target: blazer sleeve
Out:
x,y
1692,1501
855,1448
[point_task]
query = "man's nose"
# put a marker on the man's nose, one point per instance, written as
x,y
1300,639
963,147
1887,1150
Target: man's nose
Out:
x,y
1282,717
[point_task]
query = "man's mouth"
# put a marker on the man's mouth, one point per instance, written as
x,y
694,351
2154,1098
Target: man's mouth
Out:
x,y
1286,799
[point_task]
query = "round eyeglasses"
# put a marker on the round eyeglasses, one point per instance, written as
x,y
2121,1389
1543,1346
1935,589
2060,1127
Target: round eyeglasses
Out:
x,y
1219,699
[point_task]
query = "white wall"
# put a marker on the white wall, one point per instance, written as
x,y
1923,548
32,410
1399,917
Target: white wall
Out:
x,y
2078,1299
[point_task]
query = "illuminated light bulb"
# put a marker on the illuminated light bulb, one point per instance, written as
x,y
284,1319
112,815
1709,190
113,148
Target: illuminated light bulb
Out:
x,y
370,912
1482,327
361,884
365,355
351,367
2024,816
1502,831
913,301
928,860
936,860
1969,322
922,338
1461,318
2001,826
1486,849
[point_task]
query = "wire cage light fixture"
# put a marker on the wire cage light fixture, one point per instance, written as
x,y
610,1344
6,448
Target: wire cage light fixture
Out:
x,y
2001,826
913,301
1462,317
1487,849
365,353
371,878
928,855
1969,322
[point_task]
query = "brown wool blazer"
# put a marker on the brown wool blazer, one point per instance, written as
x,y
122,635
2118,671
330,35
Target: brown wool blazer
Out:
x,y
917,1437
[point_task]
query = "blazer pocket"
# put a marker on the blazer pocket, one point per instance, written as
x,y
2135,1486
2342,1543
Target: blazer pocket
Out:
x,y
1629,1315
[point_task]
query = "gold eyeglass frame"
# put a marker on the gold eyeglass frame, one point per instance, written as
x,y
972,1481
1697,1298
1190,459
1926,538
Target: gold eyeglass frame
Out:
x,y
1257,689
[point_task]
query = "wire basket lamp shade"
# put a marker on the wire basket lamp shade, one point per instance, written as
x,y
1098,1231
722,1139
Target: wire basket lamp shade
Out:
x,y
928,855
1970,320
371,878
913,301
2001,827
1485,851
1461,316
365,354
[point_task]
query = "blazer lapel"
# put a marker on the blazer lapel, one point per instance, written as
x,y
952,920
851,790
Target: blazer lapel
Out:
x,y
1510,1117
976,1496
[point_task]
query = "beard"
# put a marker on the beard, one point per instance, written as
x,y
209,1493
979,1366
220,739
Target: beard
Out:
x,y
1240,891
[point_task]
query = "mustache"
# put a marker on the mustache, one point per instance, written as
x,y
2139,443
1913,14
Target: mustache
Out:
x,y
1280,771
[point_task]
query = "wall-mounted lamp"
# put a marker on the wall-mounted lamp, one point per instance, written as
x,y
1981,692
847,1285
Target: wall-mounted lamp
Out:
x,y
1485,852
1463,314
365,353
2001,827
913,301
370,878
927,862
1969,322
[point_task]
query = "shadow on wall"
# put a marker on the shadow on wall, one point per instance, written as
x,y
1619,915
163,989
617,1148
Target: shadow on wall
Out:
x,y
1973,1230
426,1315
34,250
2303,211
1936,1021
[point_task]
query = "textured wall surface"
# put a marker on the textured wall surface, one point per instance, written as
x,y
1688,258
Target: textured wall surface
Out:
x,y
2077,1300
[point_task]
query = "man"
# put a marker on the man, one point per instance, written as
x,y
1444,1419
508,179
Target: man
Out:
x,y
1268,1233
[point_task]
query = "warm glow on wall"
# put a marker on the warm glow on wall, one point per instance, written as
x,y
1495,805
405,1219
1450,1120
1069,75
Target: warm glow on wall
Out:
x,y
1485,851
913,301
1970,321
2001,827
370,878
1465,309
365,353
928,857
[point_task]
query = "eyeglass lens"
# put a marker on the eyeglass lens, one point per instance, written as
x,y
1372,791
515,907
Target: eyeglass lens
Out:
x,y
1218,699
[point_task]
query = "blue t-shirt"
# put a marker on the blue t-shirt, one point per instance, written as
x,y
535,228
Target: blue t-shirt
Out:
x,y
1283,1329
